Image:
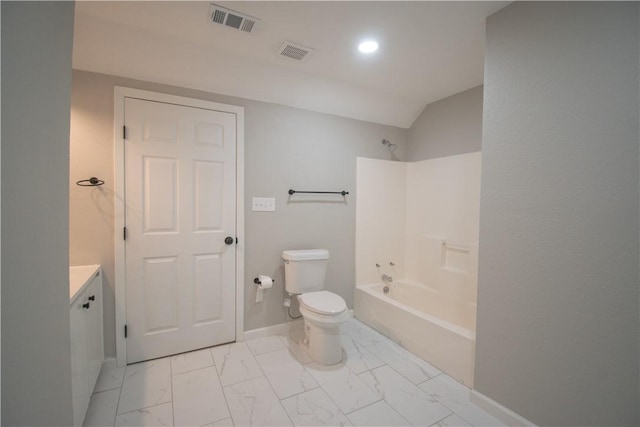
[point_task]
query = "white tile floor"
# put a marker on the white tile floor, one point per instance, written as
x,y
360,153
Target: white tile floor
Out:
x,y
273,382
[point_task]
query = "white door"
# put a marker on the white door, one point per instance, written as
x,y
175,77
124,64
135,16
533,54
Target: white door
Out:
x,y
180,191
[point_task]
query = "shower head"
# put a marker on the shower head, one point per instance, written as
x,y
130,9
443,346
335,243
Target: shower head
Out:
x,y
390,146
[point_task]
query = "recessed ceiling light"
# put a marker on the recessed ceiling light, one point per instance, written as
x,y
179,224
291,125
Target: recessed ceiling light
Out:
x,y
368,46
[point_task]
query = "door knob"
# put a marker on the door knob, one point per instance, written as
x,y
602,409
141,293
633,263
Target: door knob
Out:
x,y
228,240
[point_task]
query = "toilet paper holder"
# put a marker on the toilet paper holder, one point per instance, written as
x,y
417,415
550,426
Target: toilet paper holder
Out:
x,y
258,282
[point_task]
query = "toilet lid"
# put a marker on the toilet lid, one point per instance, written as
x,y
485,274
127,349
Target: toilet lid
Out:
x,y
323,302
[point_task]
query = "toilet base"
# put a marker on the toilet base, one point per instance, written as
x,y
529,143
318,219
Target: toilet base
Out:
x,y
324,345
322,336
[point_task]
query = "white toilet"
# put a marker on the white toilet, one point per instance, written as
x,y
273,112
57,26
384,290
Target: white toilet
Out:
x,y
323,311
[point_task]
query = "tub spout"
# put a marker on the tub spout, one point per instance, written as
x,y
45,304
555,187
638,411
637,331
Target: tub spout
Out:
x,y
387,278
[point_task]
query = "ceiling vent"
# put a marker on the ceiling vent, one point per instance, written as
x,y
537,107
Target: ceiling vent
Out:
x,y
231,18
294,51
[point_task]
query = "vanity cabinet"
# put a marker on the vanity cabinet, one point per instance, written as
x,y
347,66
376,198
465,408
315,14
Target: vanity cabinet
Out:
x,y
87,351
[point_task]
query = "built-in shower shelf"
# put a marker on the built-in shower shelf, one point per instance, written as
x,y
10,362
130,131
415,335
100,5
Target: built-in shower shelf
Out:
x,y
456,247
454,270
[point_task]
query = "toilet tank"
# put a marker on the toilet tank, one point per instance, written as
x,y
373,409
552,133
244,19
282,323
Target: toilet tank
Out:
x,y
305,270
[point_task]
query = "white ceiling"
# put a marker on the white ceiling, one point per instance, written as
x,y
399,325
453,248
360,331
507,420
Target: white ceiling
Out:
x,y
428,51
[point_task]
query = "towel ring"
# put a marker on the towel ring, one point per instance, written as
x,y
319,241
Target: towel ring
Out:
x,y
91,182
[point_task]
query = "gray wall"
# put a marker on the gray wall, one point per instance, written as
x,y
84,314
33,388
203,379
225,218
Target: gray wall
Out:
x,y
558,322
36,85
448,127
284,148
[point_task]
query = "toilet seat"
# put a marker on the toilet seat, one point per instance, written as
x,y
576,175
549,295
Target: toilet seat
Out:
x,y
323,302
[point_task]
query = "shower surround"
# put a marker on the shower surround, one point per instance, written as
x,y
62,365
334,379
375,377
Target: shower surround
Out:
x,y
418,223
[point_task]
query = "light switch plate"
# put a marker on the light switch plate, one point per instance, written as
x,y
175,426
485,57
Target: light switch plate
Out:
x,y
263,204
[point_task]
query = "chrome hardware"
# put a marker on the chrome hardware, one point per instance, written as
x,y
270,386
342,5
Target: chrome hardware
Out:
x,y
385,290
377,265
386,278
392,263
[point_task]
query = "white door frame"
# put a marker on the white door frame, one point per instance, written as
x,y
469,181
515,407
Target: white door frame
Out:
x,y
120,93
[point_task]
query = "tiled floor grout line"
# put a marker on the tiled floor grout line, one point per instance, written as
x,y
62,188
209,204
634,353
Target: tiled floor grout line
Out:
x,y
442,403
215,368
452,412
269,382
115,416
365,406
356,374
382,399
173,407
443,418
400,374
357,409
320,387
143,409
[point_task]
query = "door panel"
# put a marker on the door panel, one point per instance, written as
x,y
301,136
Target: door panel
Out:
x,y
161,195
208,192
180,188
208,300
160,294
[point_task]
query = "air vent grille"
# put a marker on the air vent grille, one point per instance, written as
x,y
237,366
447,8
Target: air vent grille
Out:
x,y
247,25
231,18
294,51
218,16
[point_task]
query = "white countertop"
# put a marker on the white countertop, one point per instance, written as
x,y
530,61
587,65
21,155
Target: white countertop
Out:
x,y
79,277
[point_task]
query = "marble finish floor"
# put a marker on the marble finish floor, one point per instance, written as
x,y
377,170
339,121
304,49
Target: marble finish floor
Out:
x,y
272,382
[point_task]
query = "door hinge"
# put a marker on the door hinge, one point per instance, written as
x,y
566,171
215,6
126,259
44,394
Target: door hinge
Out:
x,y
125,331
124,132
124,233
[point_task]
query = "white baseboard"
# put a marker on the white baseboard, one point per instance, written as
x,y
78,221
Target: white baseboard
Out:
x,y
502,413
268,331
110,362
279,329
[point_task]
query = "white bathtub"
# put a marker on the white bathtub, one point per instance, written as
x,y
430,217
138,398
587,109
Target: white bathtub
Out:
x,y
438,330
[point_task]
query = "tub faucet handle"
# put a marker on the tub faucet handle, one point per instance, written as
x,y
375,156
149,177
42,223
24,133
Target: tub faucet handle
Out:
x,y
377,265
391,263
387,278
